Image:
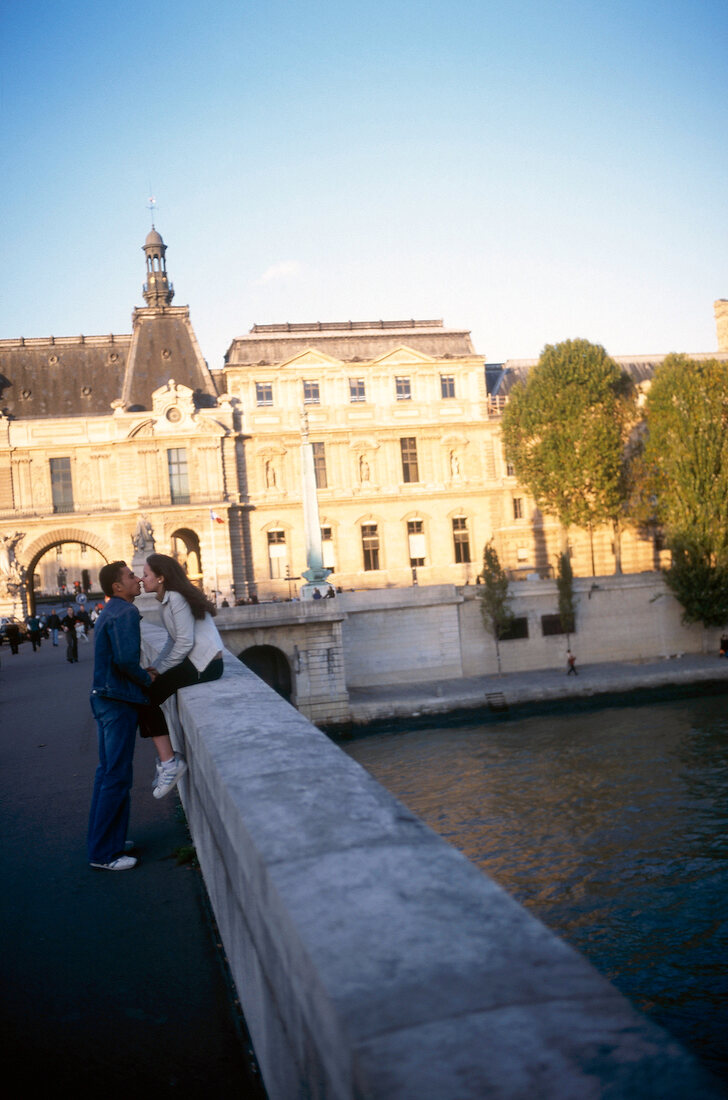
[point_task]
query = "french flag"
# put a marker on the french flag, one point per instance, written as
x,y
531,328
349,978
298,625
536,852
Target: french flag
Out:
x,y
217,519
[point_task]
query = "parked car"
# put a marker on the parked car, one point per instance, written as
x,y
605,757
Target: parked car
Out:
x,y
22,628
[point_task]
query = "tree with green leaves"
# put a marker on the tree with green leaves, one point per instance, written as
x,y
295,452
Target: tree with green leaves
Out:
x,y
494,597
685,477
567,599
566,430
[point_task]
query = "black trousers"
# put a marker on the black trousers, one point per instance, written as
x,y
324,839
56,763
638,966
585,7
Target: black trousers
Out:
x,y
152,722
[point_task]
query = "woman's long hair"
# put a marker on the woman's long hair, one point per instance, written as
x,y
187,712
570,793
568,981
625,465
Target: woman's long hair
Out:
x,y
176,580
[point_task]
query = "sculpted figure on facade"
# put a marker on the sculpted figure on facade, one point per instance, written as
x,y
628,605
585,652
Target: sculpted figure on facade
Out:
x,y
364,471
143,537
12,573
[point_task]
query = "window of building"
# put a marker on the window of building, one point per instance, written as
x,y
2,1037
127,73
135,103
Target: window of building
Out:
x,y
370,545
357,390
554,624
447,385
264,393
416,540
179,484
311,393
277,554
410,471
518,508
517,630
403,389
327,549
319,465
61,485
461,540
510,472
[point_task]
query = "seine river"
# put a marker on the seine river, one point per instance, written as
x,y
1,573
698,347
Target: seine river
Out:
x,y
611,826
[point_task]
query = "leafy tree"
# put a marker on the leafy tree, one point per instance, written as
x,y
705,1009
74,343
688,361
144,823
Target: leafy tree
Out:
x,y
685,476
565,431
567,600
494,598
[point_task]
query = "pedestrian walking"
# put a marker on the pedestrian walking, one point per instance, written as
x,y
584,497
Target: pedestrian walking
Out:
x,y
69,629
54,625
33,624
571,664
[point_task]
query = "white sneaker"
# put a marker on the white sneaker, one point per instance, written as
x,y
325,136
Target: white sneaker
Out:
x,y
169,775
121,863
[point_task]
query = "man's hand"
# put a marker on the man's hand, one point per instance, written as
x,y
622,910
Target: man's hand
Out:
x,y
153,673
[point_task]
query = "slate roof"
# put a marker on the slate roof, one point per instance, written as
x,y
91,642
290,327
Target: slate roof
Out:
x,y
83,375
69,376
348,341
502,377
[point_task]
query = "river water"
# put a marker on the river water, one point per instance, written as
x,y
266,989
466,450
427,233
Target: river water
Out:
x,y
611,826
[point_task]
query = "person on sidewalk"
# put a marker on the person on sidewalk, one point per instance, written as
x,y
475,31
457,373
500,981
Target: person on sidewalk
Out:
x,y
119,687
191,655
54,625
571,664
69,629
33,625
12,633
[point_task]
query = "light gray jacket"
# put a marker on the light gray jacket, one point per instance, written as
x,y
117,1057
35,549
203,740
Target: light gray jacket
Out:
x,y
197,639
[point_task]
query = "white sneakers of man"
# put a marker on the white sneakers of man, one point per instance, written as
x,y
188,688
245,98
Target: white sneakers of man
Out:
x,y
121,863
168,775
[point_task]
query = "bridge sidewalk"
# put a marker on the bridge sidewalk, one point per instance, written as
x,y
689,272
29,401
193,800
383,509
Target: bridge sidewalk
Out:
x,y
112,983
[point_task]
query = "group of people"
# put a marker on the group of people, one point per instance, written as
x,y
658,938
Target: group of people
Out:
x,y
74,624
125,696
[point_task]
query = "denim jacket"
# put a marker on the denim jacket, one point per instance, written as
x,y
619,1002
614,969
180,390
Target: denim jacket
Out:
x,y
117,646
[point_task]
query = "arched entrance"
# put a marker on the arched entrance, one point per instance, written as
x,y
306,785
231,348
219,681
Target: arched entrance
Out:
x,y
271,665
186,550
74,567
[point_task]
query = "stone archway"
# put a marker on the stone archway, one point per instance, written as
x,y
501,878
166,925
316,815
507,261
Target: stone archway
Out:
x,y
32,554
186,550
271,665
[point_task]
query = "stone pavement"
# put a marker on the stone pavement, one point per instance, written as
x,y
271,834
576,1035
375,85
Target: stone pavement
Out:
x,y
111,982
689,673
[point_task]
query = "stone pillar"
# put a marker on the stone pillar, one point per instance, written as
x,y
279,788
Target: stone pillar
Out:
x,y
721,322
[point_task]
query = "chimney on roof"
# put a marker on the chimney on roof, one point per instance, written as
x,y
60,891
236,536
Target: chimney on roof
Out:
x,y
721,322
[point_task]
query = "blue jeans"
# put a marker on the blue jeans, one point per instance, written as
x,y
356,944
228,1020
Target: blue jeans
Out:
x,y
109,818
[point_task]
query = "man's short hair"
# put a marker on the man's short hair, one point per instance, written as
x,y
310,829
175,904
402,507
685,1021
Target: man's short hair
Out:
x,y
109,574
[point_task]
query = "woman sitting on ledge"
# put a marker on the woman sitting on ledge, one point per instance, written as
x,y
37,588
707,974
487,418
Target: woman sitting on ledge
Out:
x,y
192,654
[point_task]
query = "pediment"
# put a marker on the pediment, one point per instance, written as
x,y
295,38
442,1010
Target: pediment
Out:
x,y
310,357
403,357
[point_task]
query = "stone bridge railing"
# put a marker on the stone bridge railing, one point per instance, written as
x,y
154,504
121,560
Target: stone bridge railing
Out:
x,y
372,960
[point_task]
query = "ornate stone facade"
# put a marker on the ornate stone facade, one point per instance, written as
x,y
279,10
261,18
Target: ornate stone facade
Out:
x,y
408,463
112,444
99,435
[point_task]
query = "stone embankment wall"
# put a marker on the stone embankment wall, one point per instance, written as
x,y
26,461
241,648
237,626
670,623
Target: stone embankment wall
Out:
x,y
419,634
371,959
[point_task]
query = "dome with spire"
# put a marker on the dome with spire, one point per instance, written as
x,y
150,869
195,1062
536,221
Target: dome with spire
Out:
x,y
153,239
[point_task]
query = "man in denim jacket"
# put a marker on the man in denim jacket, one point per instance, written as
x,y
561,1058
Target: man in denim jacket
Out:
x,y
118,689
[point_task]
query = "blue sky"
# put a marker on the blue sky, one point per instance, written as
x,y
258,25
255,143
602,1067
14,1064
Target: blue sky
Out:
x,y
532,172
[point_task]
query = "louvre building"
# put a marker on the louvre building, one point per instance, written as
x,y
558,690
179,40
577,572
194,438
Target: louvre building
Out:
x,y
112,444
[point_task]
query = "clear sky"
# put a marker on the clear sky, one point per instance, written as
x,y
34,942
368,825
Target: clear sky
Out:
x,y
531,171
